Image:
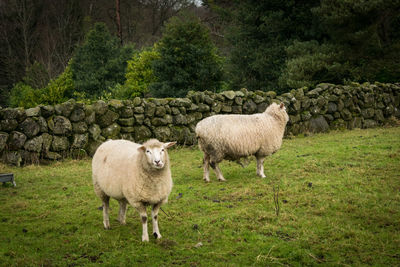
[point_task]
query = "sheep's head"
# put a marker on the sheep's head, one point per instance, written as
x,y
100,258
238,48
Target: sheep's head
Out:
x,y
278,111
155,152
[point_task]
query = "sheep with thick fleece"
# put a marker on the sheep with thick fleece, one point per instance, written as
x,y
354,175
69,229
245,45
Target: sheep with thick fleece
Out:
x,y
134,174
233,137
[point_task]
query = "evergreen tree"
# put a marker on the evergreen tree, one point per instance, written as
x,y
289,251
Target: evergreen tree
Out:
x,y
100,63
259,33
188,59
369,34
362,43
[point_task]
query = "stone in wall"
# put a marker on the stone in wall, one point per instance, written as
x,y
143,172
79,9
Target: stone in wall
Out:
x,y
59,143
59,125
16,140
34,144
3,140
29,127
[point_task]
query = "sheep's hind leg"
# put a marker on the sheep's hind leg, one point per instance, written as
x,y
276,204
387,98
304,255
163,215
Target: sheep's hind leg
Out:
x,y
218,172
206,167
154,216
122,211
260,166
106,219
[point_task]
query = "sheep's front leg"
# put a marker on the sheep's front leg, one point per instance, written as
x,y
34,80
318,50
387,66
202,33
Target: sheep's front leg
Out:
x,y
143,216
260,166
206,167
106,218
122,211
154,216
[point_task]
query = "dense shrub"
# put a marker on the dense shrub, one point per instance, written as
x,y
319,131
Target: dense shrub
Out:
x,y
23,95
59,89
139,74
309,64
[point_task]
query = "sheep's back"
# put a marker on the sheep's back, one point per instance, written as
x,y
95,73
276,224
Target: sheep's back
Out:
x,y
111,164
234,135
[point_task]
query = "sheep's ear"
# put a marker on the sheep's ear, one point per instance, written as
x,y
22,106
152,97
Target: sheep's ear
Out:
x,y
142,148
282,105
169,144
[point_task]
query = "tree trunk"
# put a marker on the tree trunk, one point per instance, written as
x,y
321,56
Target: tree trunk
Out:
x,y
118,20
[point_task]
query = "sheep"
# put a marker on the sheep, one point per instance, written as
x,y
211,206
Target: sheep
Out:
x,y
133,174
233,137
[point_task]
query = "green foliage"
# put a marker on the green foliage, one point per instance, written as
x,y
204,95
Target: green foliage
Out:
x,y
338,195
139,74
59,89
259,33
188,59
23,95
309,64
368,33
337,41
100,62
36,76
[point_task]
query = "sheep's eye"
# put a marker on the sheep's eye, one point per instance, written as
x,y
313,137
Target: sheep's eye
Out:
x,y
162,150
148,151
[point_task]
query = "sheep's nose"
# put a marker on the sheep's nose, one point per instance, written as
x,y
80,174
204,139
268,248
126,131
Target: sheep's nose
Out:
x,y
157,161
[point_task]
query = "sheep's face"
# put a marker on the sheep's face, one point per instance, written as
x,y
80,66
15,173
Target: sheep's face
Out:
x,y
156,155
283,111
278,111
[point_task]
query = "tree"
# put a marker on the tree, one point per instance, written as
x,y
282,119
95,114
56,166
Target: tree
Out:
x,y
118,20
362,43
33,33
369,34
259,33
100,62
188,59
309,63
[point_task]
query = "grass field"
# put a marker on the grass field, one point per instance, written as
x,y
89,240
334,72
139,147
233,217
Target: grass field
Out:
x,y
337,195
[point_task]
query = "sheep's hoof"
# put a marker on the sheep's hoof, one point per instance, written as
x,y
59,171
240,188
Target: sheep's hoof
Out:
x,y
206,180
106,225
145,239
222,180
156,236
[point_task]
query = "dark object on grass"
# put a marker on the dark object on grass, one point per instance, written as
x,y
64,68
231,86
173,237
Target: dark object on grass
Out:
x,y
7,177
276,199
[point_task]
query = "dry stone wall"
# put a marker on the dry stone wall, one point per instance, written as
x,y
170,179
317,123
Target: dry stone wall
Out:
x,y
74,129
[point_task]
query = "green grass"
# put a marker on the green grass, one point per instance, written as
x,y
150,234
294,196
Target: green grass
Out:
x,y
339,204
